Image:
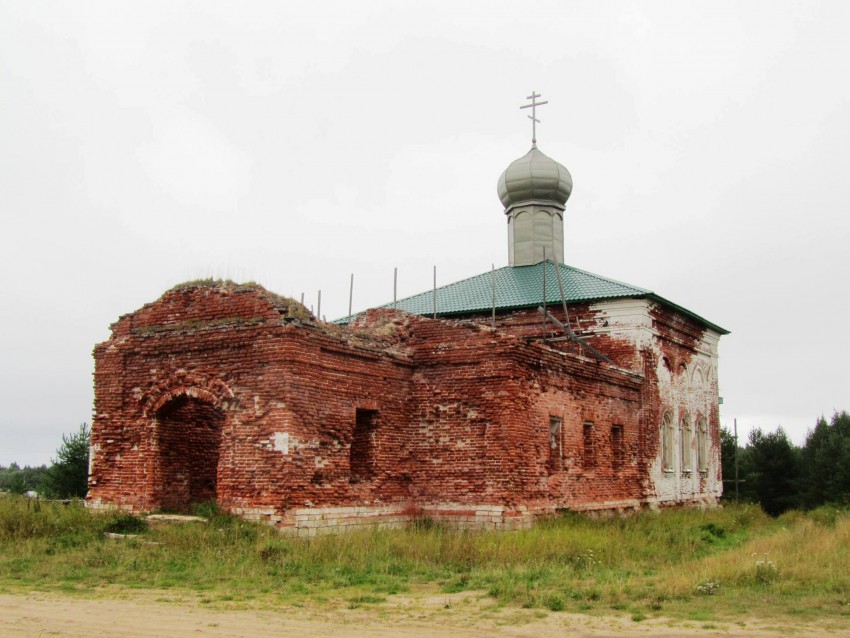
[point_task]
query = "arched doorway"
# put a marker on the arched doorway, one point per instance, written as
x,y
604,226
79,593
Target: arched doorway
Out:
x,y
189,432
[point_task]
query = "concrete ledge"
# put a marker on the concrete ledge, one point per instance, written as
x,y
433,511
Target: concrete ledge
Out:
x,y
314,521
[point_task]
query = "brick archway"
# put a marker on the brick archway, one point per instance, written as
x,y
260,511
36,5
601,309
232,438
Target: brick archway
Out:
x,y
188,431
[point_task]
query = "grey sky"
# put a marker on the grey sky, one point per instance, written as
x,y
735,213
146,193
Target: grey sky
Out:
x,y
144,144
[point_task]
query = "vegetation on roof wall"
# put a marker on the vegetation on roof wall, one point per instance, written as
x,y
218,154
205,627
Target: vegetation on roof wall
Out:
x,y
293,308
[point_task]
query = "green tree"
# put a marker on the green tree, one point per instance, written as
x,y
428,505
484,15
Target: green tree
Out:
x,y
68,475
826,462
727,464
773,472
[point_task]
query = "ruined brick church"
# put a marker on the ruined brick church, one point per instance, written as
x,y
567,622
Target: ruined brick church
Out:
x,y
523,391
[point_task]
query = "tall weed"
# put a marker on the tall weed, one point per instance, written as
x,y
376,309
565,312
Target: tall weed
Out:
x,y
674,560
24,518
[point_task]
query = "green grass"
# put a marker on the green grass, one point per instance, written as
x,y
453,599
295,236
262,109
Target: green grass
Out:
x,y
722,564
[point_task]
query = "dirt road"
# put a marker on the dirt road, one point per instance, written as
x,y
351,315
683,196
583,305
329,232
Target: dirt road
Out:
x,y
166,615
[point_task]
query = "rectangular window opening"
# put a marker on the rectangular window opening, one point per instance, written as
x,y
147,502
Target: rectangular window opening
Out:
x,y
618,448
589,447
556,447
362,453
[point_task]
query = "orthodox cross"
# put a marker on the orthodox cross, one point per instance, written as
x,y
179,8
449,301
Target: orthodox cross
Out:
x,y
533,117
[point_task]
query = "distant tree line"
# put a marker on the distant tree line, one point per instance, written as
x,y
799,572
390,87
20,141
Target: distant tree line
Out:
x,y
20,480
66,477
781,476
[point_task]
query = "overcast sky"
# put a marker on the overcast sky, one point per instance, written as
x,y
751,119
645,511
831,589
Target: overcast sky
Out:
x,y
147,143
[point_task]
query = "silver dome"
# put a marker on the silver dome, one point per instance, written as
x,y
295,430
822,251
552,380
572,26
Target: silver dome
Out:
x,y
534,177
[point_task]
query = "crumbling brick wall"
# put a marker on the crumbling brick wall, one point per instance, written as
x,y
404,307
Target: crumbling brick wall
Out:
x,y
227,391
675,355
287,394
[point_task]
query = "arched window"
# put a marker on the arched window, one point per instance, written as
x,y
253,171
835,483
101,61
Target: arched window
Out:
x,y
686,439
667,446
702,445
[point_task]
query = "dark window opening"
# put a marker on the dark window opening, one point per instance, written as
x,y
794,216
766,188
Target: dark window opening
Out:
x,y
589,448
362,455
618,448
556,450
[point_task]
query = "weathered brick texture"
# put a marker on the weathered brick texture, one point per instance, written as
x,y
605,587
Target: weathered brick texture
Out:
x,y
227,392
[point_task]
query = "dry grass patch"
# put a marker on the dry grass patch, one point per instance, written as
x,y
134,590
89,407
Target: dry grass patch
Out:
x,y
699,565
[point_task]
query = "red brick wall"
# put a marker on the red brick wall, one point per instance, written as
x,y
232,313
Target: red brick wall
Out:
x,y
653,333
453,413
234,353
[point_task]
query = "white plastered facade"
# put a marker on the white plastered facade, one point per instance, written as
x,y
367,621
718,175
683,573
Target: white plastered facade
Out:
x,y
688,391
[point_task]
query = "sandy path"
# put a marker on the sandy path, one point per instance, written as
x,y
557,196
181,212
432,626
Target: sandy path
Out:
x,y
147,616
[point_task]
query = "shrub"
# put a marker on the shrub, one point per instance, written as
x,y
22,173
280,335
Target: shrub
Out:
x,y
766,570
825,515
126,524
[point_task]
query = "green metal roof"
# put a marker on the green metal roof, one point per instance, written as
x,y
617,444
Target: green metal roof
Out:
x,y
516,287
522,287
